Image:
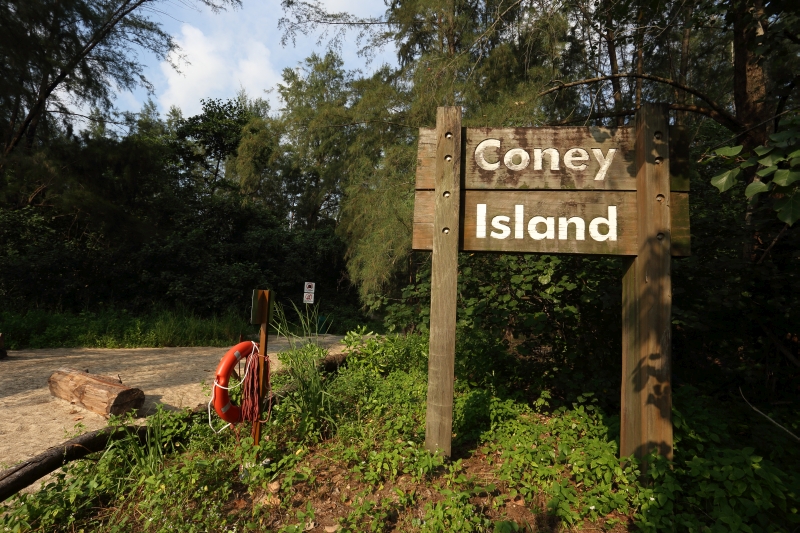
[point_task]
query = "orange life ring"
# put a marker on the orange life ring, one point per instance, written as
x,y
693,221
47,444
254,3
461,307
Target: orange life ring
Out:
x,y
222,401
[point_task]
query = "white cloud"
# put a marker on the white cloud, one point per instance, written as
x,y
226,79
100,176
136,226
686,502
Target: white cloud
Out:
x,y
218,65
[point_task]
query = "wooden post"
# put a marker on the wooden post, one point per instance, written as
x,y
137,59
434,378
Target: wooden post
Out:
x,y
264,314
646,421
444,275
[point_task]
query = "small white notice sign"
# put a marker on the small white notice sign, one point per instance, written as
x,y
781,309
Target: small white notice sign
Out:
x,y
308,286
308,297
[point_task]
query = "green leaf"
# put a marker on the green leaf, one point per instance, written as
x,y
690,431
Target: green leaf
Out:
x,y
726,180
784,177
749,163
789,208
729,151
773,158
782,136
755,188
764,172
793,155
763,150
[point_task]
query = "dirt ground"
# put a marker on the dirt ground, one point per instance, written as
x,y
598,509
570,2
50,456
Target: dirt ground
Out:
x,y
33,420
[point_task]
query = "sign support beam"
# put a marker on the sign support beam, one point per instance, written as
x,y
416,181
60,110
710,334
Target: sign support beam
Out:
x,y
444,276
264,314
646,415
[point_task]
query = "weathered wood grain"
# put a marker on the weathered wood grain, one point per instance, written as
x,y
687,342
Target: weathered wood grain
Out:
x,y
646,393
100,394
426,159
444,274
586,205
681,243
422,232
680,164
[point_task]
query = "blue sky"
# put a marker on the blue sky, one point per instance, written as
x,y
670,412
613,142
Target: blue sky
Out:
x,y
235,49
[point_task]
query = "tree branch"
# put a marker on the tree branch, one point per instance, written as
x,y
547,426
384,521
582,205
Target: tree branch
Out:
x,y
768,418
629,112
779,345
116,17
719,114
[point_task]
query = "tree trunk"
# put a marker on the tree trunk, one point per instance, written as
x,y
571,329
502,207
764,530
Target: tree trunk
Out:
x,y
749,92
610,37
684,67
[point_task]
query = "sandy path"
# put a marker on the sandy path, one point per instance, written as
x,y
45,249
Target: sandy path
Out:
x,y
32,420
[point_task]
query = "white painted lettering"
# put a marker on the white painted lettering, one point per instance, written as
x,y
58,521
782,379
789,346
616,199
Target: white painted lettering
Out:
x,y
550,225
611,222
563,227
480,224
498,224
480,154
605,161
524,159
519,221
576,154
551,153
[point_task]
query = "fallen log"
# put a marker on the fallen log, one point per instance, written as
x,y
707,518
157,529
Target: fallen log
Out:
x,y
28,472
103,395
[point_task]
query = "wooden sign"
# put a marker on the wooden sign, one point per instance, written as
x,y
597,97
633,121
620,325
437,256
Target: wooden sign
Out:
x,y
559,190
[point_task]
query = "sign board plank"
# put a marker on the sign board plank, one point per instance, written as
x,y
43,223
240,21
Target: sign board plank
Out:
x,y
422,233
549,158
679,157
679,162
681,242
550,222
422,238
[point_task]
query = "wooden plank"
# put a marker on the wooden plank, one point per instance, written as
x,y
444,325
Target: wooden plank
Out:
x,y
426,159
680,163
103,395
681,235
549,158
646,393
444,274
422,233
422,238
577,222
679,157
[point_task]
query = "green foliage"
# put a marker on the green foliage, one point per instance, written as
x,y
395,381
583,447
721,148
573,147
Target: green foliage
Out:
x,y
560,462
109,329
309,401
778,170
384,355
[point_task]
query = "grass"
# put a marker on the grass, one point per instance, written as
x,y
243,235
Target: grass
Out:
x,y
109,329
163,327
517,465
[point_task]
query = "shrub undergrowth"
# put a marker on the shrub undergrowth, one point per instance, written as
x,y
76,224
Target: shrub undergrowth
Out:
x,y
358,460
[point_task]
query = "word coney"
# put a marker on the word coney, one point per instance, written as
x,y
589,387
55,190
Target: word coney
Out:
x,y
517,159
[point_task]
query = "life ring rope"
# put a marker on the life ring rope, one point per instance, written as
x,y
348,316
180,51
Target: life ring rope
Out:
x,y
250,357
